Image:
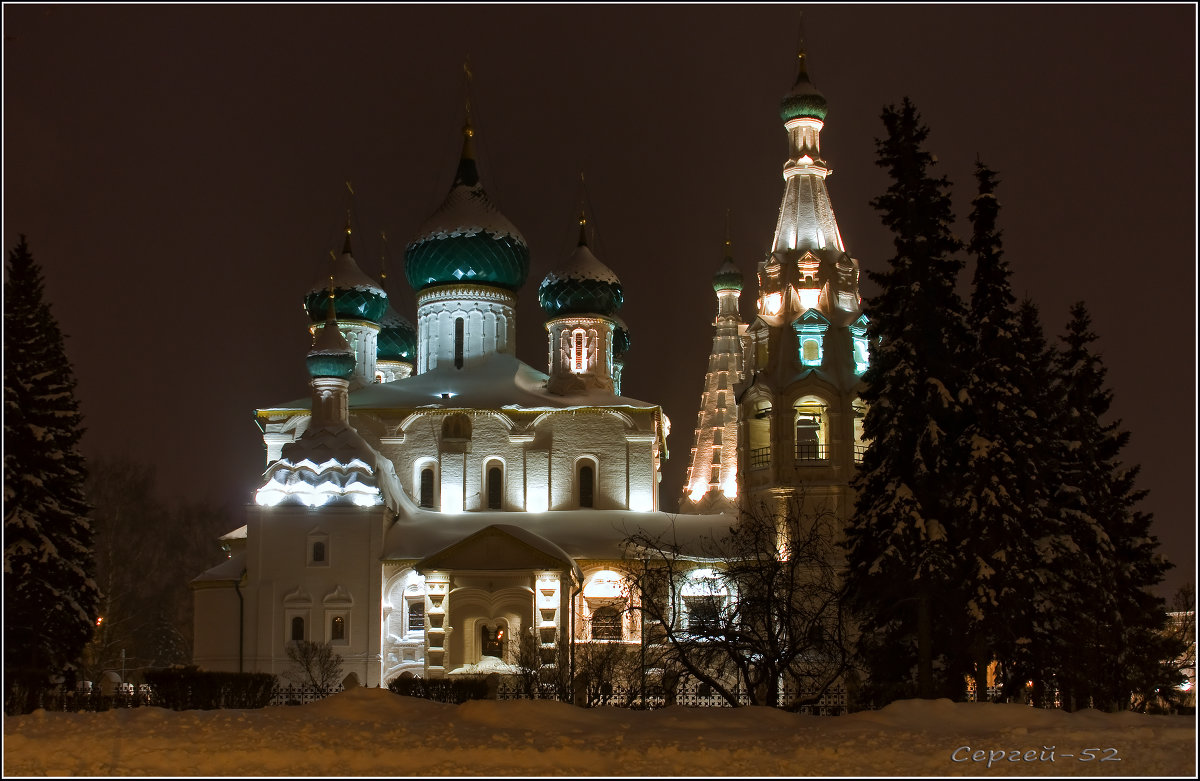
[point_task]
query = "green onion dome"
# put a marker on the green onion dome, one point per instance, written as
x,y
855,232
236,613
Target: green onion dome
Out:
x,y
330,355
397,339
355,295
582,285
728,277
621,340
467,240
804,100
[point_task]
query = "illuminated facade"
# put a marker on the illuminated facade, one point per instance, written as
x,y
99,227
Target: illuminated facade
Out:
x,y
779,416
436,499
712,477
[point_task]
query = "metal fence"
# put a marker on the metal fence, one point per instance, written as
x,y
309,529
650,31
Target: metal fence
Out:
x,y
301,695
833,703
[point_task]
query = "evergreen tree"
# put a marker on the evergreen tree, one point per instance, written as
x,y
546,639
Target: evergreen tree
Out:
x,y
50,596
1116,619
1047,618
904,542
1002,491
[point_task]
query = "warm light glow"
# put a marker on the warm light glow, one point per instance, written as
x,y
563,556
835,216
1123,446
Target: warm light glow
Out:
x,y
772,303
809,298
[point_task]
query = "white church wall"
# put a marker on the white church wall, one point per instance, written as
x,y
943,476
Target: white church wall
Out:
x,y
315,565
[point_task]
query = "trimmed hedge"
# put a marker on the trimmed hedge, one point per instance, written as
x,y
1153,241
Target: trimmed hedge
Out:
x,y
451,690
190,688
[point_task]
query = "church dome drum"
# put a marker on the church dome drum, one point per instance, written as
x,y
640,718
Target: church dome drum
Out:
x,y
330,355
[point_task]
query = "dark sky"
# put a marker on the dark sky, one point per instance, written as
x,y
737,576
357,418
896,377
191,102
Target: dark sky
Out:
x,y
179,172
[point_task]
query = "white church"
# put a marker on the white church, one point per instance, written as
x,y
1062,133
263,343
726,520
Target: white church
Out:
x,y
433,496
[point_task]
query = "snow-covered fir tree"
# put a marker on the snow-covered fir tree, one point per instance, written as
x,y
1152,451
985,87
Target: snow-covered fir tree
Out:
x,y
1041,637
50,596
1004,571
1114,616
904,542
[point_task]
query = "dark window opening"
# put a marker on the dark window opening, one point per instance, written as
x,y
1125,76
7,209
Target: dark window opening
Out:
x,y
337,629
587,485
703,614
416,615
297,628
606,624
495,488
493,642
427,487
458,343
318,552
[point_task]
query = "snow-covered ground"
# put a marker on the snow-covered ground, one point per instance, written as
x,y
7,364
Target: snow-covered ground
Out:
x,y
372,732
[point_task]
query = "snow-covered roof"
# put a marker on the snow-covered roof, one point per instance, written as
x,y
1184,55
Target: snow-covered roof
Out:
x,y
580,534
501,546
494,382
229,570
582,265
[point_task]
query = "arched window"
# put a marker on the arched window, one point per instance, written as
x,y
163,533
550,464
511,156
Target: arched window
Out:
x,y
758,435
416,615
427,487
297,629
318,552
606,623
495,487
860,445
337,628
459,339
492,640
811,442
587,486
578,351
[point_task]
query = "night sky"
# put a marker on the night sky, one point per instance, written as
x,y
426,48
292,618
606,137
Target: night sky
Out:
x,y
180,174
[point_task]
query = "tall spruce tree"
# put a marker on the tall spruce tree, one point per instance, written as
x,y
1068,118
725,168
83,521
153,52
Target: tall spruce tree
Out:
x,y
1002,490
1046,621
904,542
1117,624
50,596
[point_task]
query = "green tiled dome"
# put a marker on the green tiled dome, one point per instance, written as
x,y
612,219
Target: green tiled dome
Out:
x,y
330,355
397,338
582,285
621,341
355,295
467,239
480,258
804,100
348,304
728,277
579,296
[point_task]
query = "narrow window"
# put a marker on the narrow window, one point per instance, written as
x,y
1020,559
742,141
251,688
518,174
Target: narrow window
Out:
x,y
577,349
495,488
587,485
297,628
458,342
318,552
714,475
717,437
427,487
337,629
808,437
416,615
